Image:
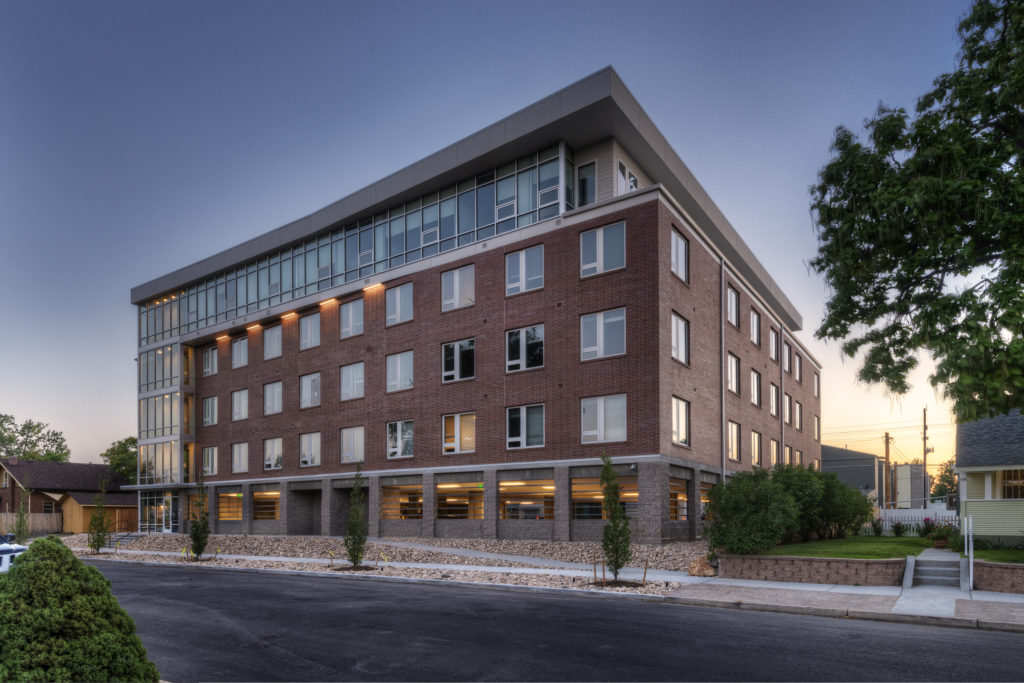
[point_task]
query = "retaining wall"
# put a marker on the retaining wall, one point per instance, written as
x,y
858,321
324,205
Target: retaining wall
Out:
x,y
813,569
1000,577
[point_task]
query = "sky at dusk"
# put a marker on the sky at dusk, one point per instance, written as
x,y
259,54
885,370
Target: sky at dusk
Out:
x,y
139,137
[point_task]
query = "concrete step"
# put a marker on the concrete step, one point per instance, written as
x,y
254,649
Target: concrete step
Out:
x,y
953,582
936,571
955,562
930,572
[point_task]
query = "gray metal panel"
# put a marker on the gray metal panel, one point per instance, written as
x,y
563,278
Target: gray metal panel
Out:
x,y
993,442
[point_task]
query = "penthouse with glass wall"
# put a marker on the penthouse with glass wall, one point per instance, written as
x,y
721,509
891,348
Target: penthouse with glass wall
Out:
x,y
556,287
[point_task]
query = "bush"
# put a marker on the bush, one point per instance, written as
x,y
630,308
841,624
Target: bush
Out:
x,y
927,527
876,526
355,527
898,528
615,535
199,521
750,514
841,509
62,623
806,488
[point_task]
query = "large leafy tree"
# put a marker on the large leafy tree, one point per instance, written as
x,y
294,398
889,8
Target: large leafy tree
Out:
x,y
921,227
31,440
945,481
123,456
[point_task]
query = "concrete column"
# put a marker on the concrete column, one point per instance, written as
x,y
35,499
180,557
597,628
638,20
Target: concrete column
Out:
x,y
328,509
214,504
373,506
490,527
247,508
284,508
652,485
693,504
563,503
429,505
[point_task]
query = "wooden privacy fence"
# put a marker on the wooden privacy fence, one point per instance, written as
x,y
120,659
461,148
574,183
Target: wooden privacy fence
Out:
x,y
39,523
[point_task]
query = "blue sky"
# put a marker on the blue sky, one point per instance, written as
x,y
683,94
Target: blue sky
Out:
x,y
138,137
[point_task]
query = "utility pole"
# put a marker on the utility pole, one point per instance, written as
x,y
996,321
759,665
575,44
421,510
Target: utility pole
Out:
x,y
887,475
924,467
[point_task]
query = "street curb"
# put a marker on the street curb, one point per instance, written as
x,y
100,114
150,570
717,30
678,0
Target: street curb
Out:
x,y
826,612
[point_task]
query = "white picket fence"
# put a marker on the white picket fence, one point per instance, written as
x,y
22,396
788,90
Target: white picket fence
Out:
x,y
912,520
39,523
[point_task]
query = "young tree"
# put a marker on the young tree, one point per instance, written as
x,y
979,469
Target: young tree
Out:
x,y
60,622
615,535
355,527
31,440
123,456
199,528
921,227
21,519
945,482
99,525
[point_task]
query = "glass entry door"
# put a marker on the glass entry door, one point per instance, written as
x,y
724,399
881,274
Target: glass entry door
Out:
x,y
170,513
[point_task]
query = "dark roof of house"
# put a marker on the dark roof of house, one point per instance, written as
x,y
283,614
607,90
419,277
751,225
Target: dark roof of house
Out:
x,y
45,475
992,442
127,499
837,453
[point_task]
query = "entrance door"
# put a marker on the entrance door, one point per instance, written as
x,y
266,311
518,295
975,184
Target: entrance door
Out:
x,y
170,516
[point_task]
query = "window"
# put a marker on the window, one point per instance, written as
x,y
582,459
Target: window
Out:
x,y
680,256
352,318
524,348
585,496
459,433
817,385
680,421
755,327
755,448
457,288
773,400
773,345
817,428
240,457
266,505
272,398
309,390
734,441
603,418
787,409
400,439
733,378
678,499
603,334
787,357
210,361
273,454
464,500
209,411
457,361
229,507
271,342
309,331
788,460
1012,484
798,416
399,371
239,352
352,381
733,311
239,404
4,480
603,249
627,182
351,444
755,387
680,339
309,449
773,452
587,184
798,367
398,303
209,460
401,502
524,426
530,499
524,270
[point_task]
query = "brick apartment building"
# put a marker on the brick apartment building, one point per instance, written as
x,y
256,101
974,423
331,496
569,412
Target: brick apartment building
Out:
x,y
476,330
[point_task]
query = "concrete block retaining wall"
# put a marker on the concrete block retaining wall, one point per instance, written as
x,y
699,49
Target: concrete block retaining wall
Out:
x,y
1000,577
813,569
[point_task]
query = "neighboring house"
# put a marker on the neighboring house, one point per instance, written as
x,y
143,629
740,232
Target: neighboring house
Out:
x,y
912,486
990,462
862,471
67,488
475,331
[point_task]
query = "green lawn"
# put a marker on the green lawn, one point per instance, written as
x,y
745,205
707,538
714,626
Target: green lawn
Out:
x,y
858,547
1009,555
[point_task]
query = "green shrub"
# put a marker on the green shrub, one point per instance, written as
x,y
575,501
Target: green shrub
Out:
x,y
841,508
927,527
615,535
61,622
750,514
355,527
806,488
199,520
876,526
898,528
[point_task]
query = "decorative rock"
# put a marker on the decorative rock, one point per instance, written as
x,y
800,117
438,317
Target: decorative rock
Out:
x,y
701,567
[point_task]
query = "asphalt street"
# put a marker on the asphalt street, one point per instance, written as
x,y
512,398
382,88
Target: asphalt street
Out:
x,y
204,625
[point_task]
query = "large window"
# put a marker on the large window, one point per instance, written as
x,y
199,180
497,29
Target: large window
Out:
x,y
798,368
773,400
459,433
627,181
755,387
239,404
398,304
309,449
272,402
524,426
680,421
209,411
603,334
733,379
457,288
678,499
787,357
755,327
530,499
399,371
457,361
586,176
352,318
239,352
755,448
400,438
309,390
460,501
603,418
271,342
229,507
401,502
680,256
273,454
734,441
352,444
587,497
733,312
817,385
773,345
603,249
309,331
210,460
680,339
524,270
788,456
773,452
798,415
1012,484
524,348
817,428
787,409
352,381
239,457
209,361
266,505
